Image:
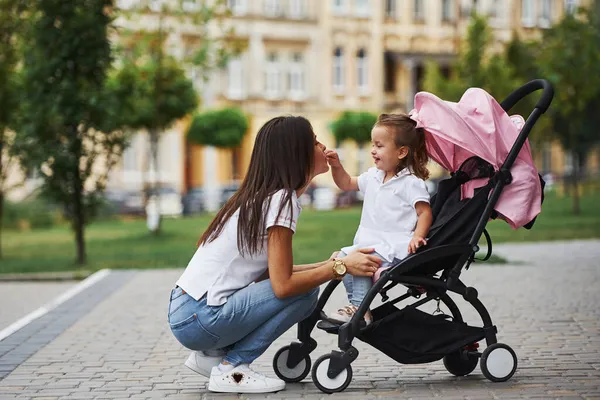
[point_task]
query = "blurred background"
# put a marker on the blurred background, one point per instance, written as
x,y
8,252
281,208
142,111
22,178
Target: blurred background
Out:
x,y
120,118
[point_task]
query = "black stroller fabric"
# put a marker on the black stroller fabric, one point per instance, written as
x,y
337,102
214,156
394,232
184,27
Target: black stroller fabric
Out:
x,y
410,336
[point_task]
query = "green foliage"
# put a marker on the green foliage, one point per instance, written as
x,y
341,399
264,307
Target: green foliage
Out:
x,y
154,95
66,58
355,126
223,128
474,67
31,214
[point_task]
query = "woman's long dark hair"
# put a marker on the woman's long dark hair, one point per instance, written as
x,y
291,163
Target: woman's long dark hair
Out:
x,y
282,158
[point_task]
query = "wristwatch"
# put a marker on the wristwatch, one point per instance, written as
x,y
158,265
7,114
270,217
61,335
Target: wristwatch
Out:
x,y
339,268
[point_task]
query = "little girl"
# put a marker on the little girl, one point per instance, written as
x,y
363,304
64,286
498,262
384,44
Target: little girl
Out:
x,y
396,215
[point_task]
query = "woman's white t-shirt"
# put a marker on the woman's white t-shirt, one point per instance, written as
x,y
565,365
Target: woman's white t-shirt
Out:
x,y
218,270
388,218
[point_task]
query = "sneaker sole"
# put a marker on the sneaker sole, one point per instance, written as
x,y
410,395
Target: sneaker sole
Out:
x,y
235,389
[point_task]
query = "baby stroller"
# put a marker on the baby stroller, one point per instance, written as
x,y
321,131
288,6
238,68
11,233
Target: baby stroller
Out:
x,y
461,207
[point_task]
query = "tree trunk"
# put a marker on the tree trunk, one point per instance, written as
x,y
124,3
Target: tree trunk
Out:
x,y
1,219
153,185
575,182
78,222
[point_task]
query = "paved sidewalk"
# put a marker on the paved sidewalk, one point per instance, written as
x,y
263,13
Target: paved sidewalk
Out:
x,y
546,308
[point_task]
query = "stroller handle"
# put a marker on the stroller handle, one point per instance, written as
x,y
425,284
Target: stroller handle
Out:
x,y
526,90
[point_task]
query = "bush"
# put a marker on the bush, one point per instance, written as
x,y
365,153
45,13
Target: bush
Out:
x,y
354,125
223,128
31,214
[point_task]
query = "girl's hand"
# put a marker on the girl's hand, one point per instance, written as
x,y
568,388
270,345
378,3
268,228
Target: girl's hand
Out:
x,y
361,262
333,158
415,243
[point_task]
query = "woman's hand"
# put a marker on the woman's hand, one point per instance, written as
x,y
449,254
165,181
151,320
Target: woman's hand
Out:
x,y
334,255
361,262
415,243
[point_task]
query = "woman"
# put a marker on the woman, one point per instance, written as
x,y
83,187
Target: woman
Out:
x,y
240,290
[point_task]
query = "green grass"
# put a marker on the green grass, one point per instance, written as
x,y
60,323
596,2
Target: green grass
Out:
x,y
126,244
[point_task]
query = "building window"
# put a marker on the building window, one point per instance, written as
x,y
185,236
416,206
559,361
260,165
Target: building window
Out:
x,y
447,10
497,10
419,11
189,5
273,8
235,79
362,71
155,5
297,8
527,13
338,70
297,81
339,7
238,7
546,14
272,77
390,9
389,70
571,6
130,157
362,8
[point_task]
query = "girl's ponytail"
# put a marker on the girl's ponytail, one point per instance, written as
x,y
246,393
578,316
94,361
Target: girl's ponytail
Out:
x,y
420,158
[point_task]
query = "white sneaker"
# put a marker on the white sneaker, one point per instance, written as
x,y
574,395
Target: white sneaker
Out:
x,y
242,379
201,363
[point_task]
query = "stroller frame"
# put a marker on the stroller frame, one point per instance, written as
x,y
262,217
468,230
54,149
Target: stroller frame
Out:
x,y
292,363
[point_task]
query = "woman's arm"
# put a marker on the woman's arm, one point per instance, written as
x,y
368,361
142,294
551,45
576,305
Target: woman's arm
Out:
x,y
286,282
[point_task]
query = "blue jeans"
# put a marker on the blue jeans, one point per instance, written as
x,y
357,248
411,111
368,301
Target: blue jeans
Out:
x,y
244,327
358,286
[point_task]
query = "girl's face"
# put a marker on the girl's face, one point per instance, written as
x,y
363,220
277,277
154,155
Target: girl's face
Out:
x,y
321,165
384,151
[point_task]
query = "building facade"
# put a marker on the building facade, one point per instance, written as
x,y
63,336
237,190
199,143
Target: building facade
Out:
x,y
317,58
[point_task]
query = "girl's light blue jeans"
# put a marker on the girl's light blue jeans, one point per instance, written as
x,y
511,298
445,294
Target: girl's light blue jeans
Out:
x,y
358,286
244,327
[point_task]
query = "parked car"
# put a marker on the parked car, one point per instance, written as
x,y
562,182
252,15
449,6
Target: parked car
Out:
x,y
228,190
193,201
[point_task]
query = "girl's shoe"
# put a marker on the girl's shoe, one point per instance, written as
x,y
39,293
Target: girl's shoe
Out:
x,y
242,379
346,313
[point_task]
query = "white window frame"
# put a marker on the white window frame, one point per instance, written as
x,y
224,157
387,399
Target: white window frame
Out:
x,y
189,5
449,15
528,13
235,79
339,7
545,18
297,9
391,9
362,8
362,72
297,85
339,73
238,7
571,6
273,8
418,10
273,77
155,5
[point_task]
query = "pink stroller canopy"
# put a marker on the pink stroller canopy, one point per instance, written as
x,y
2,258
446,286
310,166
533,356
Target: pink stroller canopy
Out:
x,y
478,126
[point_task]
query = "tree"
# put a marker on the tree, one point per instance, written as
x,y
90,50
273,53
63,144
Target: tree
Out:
x,y
223,128
570,58
476,66
68,129
355,126
163,93
11,25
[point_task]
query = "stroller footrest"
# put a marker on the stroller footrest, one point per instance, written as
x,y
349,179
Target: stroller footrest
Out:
x,y
328,326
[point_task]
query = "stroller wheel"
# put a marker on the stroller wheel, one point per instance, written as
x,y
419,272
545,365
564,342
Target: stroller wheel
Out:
x,y
459,366
498,362
327,384
295,374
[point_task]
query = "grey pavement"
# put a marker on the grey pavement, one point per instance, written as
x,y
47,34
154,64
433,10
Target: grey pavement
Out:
x,y
546,308
21,298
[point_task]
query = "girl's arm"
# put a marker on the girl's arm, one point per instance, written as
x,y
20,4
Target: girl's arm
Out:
x,y
425,217
340,176
286,282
